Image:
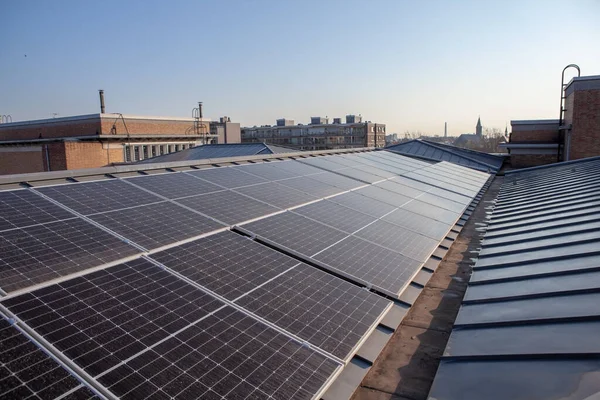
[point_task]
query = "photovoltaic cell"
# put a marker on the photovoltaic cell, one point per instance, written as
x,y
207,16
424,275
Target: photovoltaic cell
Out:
x,y
157,224
396,187
431,211
19,208
322,162
311,186
324,310
386,196
229,207
174,185
383,268
95,197
36,254
296,232
355,173
229,177
277,195
226,355
268,171
144,333
363,204
418,223
336,180
226,263
296,168
27,372
335,215
103,318
442,203
394,237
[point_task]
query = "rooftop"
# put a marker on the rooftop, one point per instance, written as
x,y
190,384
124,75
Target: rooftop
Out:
x,y
235,278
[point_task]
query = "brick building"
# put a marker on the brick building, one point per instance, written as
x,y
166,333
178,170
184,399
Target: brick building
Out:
x,y
96,140
539,142
319,134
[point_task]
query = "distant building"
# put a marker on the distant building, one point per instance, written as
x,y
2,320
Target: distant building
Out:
x,y
576,136
471,139
96,140
319,134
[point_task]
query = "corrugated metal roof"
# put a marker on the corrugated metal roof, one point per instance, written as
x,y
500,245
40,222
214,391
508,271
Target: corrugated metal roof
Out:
x,y
443,152
217,151
530,320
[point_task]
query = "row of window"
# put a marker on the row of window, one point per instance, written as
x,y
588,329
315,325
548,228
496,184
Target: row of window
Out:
x,y
137,152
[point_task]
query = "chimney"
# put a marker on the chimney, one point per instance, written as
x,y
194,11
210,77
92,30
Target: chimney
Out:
x,y
445,129
200,109
101,101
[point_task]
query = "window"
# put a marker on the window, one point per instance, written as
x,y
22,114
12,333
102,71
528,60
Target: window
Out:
x,y
136,153
145,151
127,153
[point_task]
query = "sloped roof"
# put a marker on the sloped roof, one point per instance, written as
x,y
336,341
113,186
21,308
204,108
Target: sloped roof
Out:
x,y
210,151
528,326
268,278
443,152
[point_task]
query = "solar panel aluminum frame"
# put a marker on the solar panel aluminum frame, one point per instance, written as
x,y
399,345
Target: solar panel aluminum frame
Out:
x,y
57,356
321,265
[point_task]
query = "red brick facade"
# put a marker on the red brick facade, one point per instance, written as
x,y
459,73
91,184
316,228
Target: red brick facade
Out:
x,y
583,113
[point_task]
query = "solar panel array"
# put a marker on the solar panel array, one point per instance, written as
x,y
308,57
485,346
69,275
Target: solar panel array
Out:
x,y
145,287
528,326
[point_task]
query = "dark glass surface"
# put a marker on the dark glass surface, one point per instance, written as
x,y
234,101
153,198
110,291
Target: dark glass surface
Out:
x,y
296,232
226,263
157,224
19,208
228,206
418,223
335,215
43,252
363,204
95,197
27,372
277,195
229,177
311,186
175,185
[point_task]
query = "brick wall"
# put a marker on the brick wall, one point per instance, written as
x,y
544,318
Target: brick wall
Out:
x,y
50,129
585,120
545,133
149,126
21,159
531,160
91,154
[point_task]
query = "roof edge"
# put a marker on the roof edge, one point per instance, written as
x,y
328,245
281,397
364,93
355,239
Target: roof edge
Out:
x,y
548,166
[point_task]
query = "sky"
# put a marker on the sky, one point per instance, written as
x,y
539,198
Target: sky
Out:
x,y
412,65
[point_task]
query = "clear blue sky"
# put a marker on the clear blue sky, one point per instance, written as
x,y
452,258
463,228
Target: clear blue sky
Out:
x,y
411,65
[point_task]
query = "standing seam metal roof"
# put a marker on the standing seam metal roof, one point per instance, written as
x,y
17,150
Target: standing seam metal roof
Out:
x,y
528,327
442,152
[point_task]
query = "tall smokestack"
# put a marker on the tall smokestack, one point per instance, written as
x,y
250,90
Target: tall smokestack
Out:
x,y
200,109
445,129
101,101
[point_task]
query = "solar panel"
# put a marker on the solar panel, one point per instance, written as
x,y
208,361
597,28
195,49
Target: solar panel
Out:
x,y
27,372
226,355
418,223
103,318
268,171
459,198
311,186
386,196
336,180
442,203
320,308
174,185
431,211
404,190
296,232
295,168
144,333
325,163
157,224
357,174
229,177
385,269
226,263
363,204
94,197
229,207
448,184
335,215
19,208
374,170
43,252
277,195
397,238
